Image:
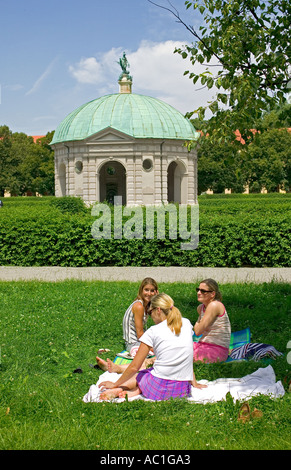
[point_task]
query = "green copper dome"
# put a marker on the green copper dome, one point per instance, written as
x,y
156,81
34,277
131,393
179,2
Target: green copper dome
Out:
x,y
135,115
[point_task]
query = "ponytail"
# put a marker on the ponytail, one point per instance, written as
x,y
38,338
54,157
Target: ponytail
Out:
x,y
174,320
173,314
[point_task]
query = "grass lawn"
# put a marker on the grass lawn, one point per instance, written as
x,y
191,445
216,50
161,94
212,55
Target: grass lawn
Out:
x,y
47,330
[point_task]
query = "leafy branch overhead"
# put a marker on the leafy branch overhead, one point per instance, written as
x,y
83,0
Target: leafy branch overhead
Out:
x,y
244,47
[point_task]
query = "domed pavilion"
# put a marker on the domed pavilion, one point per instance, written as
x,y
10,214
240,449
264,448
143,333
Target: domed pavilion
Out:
x,y
126,145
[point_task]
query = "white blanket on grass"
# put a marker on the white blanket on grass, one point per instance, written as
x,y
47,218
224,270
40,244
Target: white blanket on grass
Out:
x,y
260,382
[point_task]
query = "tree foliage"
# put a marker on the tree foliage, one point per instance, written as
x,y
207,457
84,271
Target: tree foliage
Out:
x,y
266,163
25,165
244,47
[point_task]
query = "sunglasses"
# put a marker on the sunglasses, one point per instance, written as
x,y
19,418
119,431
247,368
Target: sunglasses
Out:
x,y
203,291
150,308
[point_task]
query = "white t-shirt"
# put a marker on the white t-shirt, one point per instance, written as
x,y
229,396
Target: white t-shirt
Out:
x,y
174,353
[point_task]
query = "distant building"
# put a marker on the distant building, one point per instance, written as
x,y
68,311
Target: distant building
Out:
x,y
36,137
127,145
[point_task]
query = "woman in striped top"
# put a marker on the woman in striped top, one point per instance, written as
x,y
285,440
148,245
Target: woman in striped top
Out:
x,y
133,324
136,316
213,324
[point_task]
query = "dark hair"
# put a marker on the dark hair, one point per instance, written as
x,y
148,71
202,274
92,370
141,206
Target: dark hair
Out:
x,y
212,285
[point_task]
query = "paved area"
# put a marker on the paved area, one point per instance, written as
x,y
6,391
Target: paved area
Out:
x,y
133,274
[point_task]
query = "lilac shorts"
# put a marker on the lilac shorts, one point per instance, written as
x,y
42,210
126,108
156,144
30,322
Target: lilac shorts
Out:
x,y
155,388
207,352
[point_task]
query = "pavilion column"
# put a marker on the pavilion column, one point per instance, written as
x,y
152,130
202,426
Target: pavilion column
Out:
x,y
195,173
70,183
93,196
138,180
164,180
191,181
57,177
157,179
85,179
130,196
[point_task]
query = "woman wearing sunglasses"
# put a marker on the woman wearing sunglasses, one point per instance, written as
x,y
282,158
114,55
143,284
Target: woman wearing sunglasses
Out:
x,y
172,373
213,324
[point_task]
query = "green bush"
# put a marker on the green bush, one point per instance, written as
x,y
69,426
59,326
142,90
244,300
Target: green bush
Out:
x,y
233,232
69,204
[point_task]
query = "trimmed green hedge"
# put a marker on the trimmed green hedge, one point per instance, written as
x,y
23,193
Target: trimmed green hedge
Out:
x,y
236,232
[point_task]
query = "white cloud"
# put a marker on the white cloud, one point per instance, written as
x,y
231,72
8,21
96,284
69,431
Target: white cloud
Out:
x,y
159,70
155,69
88,71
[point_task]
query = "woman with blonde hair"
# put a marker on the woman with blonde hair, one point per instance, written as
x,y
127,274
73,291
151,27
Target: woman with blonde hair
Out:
x,y
135,317
172,373
213,324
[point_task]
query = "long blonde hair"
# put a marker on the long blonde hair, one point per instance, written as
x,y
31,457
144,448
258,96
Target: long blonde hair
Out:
x,y
147,280
173,314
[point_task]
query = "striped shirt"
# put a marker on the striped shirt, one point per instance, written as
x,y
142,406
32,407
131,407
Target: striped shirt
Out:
x,y
128,325
219,332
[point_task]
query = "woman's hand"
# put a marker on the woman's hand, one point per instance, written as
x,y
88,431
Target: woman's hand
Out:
x,y
197,385
106,385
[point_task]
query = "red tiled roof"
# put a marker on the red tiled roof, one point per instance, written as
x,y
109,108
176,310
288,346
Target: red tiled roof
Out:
x,y
35,137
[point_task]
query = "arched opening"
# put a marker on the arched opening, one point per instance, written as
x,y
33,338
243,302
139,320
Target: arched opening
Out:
x,y
177,183
62,179
112,182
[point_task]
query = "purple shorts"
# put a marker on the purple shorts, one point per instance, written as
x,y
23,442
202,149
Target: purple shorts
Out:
x,y
207,352
155,388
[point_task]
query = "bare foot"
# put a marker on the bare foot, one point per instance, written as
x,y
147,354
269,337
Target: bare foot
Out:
x,y
118,368
110,393
110,366
129,393
101,363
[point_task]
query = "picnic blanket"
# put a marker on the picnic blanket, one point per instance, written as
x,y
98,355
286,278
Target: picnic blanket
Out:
x,y
254,351
260,382
237,338
240,349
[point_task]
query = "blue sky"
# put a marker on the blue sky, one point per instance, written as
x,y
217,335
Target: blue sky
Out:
x,y
59,54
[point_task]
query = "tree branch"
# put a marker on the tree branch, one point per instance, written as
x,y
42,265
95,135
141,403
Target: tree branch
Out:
x,y
258,19
189,28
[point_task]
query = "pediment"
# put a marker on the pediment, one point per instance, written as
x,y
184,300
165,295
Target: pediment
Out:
x,y
109,135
